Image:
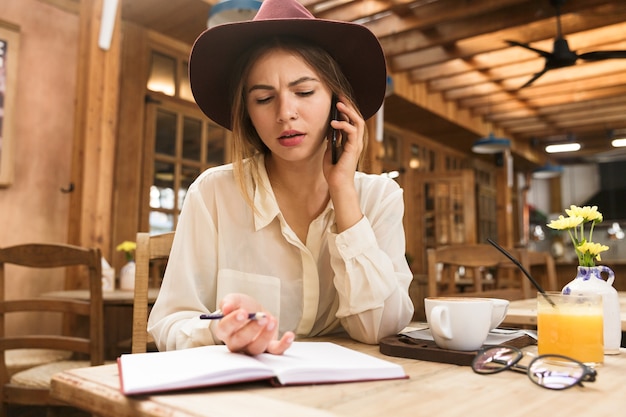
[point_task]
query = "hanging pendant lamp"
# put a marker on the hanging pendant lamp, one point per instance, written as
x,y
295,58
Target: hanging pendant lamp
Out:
x,y
491,144
228,11
547,171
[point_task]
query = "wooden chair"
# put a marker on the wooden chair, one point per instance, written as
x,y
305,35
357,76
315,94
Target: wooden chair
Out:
x,y
542,267
149,248
479,258
31,386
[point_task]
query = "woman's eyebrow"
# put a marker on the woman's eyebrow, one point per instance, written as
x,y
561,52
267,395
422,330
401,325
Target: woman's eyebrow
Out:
x,y
302,80
260,87
291,84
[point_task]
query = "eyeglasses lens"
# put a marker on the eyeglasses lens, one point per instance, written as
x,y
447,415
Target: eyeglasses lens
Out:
x,y
496,359
556,372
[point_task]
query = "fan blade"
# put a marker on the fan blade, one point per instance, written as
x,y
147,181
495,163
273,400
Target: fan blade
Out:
x,y
530,48
534,78
600,55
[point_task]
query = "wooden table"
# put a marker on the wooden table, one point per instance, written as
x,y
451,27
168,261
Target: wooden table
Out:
x,y
524,312
118,316
433,389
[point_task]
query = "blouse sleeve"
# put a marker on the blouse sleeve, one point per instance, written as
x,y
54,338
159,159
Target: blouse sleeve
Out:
x,y
372,276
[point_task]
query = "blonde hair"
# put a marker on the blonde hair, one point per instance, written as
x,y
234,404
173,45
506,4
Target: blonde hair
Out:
x,y
246,143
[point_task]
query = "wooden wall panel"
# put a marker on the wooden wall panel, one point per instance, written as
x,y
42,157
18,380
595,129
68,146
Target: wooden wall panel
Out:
x,y
33,208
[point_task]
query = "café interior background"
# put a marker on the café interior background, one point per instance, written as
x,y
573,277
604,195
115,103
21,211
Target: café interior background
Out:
x,y
53,130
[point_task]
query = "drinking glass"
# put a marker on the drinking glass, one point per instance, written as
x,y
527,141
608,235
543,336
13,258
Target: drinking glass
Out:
x,y
570,325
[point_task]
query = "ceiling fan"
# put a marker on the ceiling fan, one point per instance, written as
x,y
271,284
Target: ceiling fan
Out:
x,y
562,56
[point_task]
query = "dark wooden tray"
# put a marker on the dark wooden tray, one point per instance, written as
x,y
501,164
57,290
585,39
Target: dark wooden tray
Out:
x,y
426,350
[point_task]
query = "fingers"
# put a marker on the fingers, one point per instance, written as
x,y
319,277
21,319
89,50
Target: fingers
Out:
x,y
233,301
278,347
238,331
350,115
352,128
263,336
242,334
258,336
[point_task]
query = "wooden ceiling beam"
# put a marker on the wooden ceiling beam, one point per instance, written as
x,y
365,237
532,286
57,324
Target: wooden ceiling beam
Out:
x,y
606,121
352,11
425,15
512,109
589,117
583,132
516,63
578,78
586,115
476,36
572,105
608,80
501,62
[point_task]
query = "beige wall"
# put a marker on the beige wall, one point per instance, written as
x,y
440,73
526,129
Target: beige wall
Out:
x,y
33,208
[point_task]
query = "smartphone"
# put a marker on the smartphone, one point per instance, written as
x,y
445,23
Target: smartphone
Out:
x,y
335,147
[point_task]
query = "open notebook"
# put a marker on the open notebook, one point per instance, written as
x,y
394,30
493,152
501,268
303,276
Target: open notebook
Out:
x,y
303,363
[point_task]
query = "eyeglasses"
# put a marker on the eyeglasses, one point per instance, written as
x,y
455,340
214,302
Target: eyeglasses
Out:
x,y
548,371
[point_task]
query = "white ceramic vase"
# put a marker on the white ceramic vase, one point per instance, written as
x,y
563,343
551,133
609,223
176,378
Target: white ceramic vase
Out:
x,y
127,276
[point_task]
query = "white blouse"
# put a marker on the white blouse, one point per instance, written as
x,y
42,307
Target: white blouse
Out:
x,y
356,280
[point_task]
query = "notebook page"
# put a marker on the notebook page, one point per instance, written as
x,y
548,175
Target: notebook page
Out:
x,y
325,362
187,368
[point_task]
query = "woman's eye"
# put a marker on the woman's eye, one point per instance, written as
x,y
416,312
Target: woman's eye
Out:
x,y
305,93
262,100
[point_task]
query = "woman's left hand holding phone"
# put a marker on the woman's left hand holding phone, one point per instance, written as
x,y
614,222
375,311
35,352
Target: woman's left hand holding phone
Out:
x,y
240,334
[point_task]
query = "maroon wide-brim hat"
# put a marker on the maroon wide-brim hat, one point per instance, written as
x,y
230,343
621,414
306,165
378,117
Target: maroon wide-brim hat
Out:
x,y
353,46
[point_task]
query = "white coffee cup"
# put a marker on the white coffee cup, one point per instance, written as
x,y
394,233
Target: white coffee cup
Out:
x,y
500,307
459,323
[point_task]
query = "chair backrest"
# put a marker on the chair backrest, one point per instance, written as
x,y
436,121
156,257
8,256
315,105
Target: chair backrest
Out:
x,y
149,248
534,260
478,258
85,346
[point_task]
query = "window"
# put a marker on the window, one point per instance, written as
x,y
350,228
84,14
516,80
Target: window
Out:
x,y
182,141
184,146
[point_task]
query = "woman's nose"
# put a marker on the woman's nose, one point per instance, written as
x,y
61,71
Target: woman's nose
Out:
x,y
287,110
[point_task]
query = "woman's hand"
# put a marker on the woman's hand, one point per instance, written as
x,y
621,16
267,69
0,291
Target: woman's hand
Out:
x,y
340,176
351,127
253,337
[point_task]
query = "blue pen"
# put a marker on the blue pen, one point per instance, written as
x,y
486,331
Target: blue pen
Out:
x,y
217,314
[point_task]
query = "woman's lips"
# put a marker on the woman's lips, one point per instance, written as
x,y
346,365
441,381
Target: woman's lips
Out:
x,y
291,138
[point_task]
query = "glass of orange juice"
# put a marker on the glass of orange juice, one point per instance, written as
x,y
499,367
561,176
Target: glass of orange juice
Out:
x,y
572,326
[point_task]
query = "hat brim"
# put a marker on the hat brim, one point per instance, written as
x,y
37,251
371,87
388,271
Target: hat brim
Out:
x,y
354,47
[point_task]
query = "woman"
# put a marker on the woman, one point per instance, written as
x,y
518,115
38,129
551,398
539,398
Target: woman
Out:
x,y
317,247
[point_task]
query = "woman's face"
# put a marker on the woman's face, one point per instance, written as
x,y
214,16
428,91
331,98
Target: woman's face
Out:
x,y
288,104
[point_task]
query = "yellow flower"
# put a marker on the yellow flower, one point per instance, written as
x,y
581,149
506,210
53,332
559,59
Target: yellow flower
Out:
x,y
592,249
589,214
586,251
128,247
564,223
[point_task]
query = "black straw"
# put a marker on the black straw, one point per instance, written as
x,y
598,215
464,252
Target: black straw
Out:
x,y
521,267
